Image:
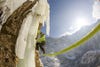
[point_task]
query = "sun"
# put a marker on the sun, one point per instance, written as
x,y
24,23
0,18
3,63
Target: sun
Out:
x,y
81,21
78,23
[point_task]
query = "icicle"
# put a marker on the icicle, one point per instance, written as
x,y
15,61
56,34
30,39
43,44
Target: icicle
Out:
x,y
25,45
41,14
33,30
29,57
43,10
26,40
22,38
48,19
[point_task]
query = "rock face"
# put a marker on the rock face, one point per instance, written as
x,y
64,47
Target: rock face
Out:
x,y
87,55
9,33
90,57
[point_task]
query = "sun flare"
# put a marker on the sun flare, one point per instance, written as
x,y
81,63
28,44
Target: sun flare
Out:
x,y
81,21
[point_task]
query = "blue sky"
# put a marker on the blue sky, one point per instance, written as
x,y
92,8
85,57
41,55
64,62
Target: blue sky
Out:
x,y
64,12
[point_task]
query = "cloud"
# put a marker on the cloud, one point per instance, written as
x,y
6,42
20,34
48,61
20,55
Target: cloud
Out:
x,y
96,9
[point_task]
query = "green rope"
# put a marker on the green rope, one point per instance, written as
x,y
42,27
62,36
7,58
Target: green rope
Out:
x,y
78,43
